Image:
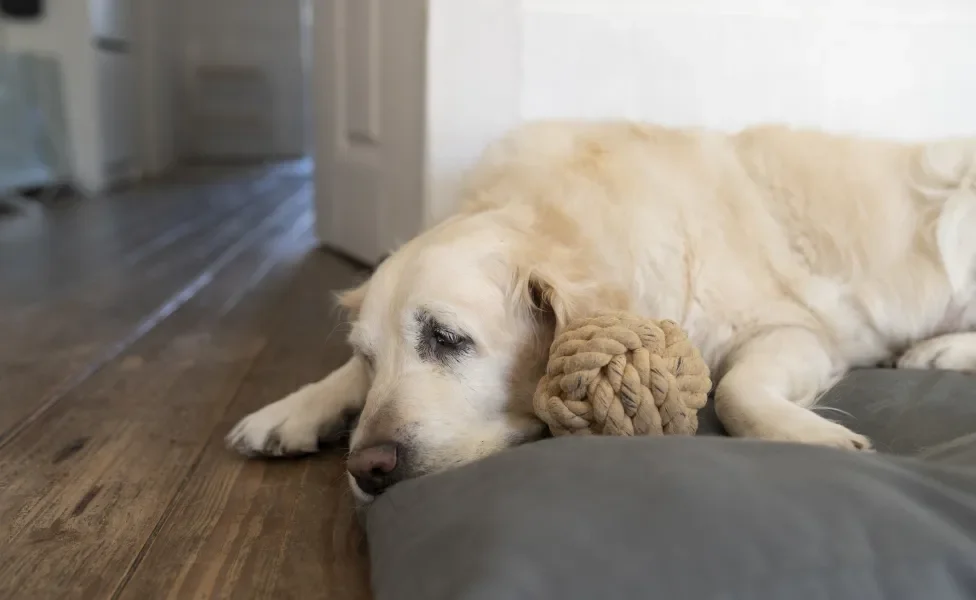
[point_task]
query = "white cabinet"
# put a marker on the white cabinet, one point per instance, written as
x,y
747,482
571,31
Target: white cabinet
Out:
x,y
33,138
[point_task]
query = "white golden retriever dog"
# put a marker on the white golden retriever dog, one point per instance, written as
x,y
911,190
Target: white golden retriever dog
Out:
x,y
789,256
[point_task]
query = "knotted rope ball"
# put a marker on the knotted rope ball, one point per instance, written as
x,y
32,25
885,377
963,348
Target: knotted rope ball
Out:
x,y
620,374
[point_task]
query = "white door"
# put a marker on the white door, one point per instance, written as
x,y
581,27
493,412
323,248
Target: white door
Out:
x,y
368,73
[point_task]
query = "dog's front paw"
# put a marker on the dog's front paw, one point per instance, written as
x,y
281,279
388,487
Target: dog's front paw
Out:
x,y
828,433
949,352
275,430
800,425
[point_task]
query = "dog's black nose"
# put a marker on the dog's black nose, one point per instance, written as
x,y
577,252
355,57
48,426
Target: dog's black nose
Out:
x,y
376,468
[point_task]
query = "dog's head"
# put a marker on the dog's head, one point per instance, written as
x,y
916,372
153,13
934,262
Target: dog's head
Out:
x,y
454,329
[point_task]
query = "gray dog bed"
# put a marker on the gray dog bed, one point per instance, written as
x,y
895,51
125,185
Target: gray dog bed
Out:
x,y
706,517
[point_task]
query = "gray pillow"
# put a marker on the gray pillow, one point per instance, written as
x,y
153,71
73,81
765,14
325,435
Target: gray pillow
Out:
x,y
903,412
710,517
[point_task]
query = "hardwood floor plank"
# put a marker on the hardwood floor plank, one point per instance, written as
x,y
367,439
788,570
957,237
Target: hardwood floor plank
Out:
x,y
266,529
56,281
84,486
72,336
85,237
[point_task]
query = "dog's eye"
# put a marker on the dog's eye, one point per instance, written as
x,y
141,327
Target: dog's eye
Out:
x,y
447,339
438,342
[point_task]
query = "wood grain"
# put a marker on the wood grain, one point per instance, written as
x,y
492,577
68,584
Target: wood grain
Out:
x,y
227,542
65,336
122,487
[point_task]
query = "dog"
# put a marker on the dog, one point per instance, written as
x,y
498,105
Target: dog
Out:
x,y
789,255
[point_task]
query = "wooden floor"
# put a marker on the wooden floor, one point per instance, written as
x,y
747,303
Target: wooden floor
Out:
x,y
135,329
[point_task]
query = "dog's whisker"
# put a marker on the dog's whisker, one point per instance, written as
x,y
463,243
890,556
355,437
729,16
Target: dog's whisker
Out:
x,y
831,409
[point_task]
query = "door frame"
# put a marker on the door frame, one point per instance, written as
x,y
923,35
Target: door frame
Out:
x,y
448,81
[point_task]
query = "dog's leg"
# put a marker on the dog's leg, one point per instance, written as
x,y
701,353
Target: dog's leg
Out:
x,y
770,385
952,352
296,424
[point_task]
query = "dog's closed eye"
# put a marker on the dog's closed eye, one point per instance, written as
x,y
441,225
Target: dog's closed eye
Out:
x,y
447,339
439,342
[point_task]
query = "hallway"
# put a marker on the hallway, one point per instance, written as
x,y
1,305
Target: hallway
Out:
x,y
135,330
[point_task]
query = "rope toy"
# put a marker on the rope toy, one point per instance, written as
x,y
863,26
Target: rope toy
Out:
x,y
619,374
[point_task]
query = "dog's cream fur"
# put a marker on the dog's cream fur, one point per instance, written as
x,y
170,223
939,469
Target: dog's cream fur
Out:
x,y
789,256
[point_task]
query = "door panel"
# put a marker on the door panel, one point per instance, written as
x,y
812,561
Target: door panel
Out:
x,y
350,161
361,73
368,74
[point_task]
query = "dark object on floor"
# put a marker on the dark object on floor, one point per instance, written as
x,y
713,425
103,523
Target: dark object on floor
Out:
x,y
675,517
22,8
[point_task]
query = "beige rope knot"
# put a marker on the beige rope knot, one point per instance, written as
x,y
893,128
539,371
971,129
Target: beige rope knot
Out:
x,y
620,374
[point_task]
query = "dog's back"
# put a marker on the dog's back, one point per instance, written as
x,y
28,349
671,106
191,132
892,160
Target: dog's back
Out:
x,y
860,238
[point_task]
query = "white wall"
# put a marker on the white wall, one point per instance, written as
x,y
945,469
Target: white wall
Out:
x,y
900,68
65,33
159,41
474,79
265,34
895,68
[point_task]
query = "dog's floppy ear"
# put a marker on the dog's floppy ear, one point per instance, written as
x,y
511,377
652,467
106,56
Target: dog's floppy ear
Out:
x,y
549,298
351,300
544,297
563,299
